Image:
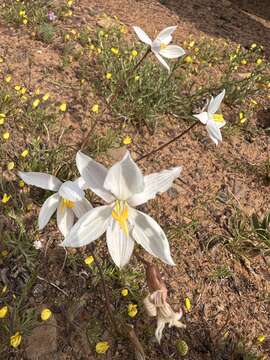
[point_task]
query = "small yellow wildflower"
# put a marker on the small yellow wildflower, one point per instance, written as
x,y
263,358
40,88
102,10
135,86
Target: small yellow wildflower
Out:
x,y
244,62
253,102
8,78
22,13
24,98
137,77
16,339
99,50
115,51
123,30
253,46
2,119
21,183
25,21
95,108
6,135
127,140
196,50
70,3
17,87
108,75
3,312
134,53
191,44
23,90
187,304
259,61
67,37
69,13
188,59
132,310
5,198
261,338
102,347
92,47
10,165
4,253
46,96
45,314
124,292
24,153
89,260
242,117
35,103
63,107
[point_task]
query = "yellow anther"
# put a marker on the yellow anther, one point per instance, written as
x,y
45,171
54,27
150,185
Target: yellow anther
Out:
x,y
67,204
218,118
120,214
163,46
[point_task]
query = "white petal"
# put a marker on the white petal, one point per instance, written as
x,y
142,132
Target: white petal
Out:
x,y
82,207
94,174
142,35
150,236
41,180
71,191
165,36
203,117
159,329
89,227
215,103
172,52
162,61
120,246
47,210
65,219
214,132
124,178
155,183
81,183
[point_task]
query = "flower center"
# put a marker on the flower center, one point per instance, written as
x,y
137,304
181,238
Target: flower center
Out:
x,y
163,46
218,118
65,203
120,214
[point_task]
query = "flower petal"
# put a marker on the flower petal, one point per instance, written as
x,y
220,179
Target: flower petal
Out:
x,y
142,35
120,246
71,191
65,219
214,132
159,330
82,207
41,180
172,52
165,36
162,61
203,117
155,183
89,227
47,210
94,174
150,236
81,183
215,103
124,178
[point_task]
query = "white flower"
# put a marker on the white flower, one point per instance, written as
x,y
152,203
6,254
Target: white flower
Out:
x,y
38,244
69,200
160,46
157,306
122,187
214,122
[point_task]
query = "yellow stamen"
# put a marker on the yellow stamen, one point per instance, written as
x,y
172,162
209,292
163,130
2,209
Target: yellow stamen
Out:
x,y
65,203
218,118
163,46
120,214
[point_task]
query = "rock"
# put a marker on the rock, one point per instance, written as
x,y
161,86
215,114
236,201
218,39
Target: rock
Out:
x,y
42,342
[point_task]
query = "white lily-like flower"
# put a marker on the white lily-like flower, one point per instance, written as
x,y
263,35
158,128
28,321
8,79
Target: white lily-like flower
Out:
x,y
156,305
69,200
214,122
122,187
160,46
